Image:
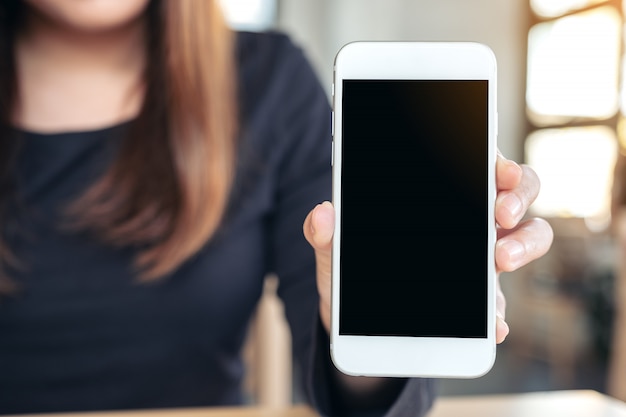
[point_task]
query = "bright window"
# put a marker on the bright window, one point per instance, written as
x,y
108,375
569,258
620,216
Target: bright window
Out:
x,y
576,167
573,67
573,98
555,8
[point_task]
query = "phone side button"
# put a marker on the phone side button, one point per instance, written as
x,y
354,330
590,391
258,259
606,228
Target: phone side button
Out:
x,y
332,153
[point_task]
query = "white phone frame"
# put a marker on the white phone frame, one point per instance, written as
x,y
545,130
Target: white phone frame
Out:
x,y
414,356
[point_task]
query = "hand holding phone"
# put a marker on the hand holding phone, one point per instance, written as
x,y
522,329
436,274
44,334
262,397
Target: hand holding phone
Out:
x,y
414,169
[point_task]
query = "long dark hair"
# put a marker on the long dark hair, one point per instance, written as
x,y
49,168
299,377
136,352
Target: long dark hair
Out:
x,y
167,190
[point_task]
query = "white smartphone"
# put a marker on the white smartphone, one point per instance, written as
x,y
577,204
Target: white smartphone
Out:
x,y
414,154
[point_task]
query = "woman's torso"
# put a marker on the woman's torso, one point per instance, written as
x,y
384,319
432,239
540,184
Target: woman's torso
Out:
x,y
83,334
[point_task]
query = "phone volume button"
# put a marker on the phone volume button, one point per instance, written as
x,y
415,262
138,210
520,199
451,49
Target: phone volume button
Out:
x,y
332,153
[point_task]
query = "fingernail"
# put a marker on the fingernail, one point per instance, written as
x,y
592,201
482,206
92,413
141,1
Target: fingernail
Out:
x,y
512,163
515,250
502,328
514,205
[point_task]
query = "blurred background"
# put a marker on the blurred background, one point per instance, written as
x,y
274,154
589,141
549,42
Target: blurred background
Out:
x,y
561,99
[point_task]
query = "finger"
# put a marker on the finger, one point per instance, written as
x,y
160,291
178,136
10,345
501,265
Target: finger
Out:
x,y
500,300
512,204
319,225
502,328
318,230
517,247
508,173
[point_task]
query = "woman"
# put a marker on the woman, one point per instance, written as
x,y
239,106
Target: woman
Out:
x,y
154,168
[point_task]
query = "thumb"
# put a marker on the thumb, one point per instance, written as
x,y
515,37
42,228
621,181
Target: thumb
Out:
x,y
318,229
319,226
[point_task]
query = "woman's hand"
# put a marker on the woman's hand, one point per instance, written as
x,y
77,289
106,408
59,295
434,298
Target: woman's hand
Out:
x,y
318,230
520,241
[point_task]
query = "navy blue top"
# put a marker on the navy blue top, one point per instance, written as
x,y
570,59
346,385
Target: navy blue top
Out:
x,y
83,335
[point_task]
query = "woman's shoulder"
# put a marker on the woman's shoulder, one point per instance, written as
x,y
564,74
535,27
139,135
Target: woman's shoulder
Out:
x,y
267,49
271,39
272,65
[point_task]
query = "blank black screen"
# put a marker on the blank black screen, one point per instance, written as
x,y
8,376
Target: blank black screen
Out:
x,y
414,208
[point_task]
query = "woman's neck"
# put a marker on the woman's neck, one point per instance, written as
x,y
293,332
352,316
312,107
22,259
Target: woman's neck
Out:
x,y
78,79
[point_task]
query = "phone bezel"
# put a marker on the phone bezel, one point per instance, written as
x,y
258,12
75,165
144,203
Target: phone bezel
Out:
x,y
413,356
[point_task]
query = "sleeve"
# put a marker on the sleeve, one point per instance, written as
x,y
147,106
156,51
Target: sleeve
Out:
x,y
303,144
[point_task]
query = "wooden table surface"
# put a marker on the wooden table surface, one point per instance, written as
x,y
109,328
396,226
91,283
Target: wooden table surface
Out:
x,y
583,403
295,411
578,403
